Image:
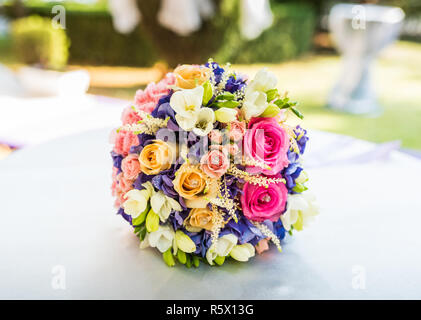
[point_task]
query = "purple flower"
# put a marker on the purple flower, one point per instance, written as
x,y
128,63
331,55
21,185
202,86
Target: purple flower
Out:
x,y
163,182
163,110
301,138
217,71
176,218
202,240
124,215
117,158
278,229
234,84
291,173
244,230
144,139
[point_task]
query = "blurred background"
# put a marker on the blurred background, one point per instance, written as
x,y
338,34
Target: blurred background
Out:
x,y
97,53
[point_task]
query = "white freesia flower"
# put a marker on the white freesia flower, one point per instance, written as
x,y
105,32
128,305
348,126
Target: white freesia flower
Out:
x,y
242,252
137,200
255,103
163,205
255,98
223,247
162,239
301,209
187,103
264,80
204,122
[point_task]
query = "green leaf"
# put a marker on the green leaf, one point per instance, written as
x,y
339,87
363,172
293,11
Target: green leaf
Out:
x,y
207,93
299,188
226,104
141,218
169,258
285,103
297,113
188,261
272,110
219,260
196,261
272,94
226,96
181,256
152,221
142,233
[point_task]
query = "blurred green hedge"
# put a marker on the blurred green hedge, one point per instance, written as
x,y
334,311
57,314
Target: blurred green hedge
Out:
x,y
289,36
95,42
35,41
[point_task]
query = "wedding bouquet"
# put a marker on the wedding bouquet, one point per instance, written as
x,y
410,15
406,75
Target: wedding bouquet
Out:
x,y
207,165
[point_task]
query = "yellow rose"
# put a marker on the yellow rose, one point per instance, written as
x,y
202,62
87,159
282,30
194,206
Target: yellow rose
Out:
x,y
200,218
194,186
189,76
156,157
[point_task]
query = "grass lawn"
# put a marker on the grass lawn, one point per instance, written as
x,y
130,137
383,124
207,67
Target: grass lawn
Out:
x,y
397,78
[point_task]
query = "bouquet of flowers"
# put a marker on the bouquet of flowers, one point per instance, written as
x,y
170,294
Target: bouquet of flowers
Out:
x,y
207,165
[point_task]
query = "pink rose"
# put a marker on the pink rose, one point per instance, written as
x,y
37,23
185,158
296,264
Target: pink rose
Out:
x,y
215,163
262,246
237,130
130,167
267,142
260,203
130,116
124,140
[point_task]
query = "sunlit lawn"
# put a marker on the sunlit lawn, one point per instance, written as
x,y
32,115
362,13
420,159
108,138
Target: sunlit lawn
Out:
x,y
397,77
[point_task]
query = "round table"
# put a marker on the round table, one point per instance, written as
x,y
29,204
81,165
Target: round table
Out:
x,y
60,237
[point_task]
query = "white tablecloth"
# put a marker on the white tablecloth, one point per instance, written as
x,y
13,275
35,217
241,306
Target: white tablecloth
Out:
x,y
57,219
30,121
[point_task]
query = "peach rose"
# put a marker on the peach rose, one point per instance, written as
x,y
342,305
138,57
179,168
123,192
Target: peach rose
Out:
x,y
200,218
156,157
130,167
190,76
194,186
215,163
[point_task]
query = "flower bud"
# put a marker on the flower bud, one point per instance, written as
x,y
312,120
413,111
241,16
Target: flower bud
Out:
x,y
184,243
242,252
226,115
